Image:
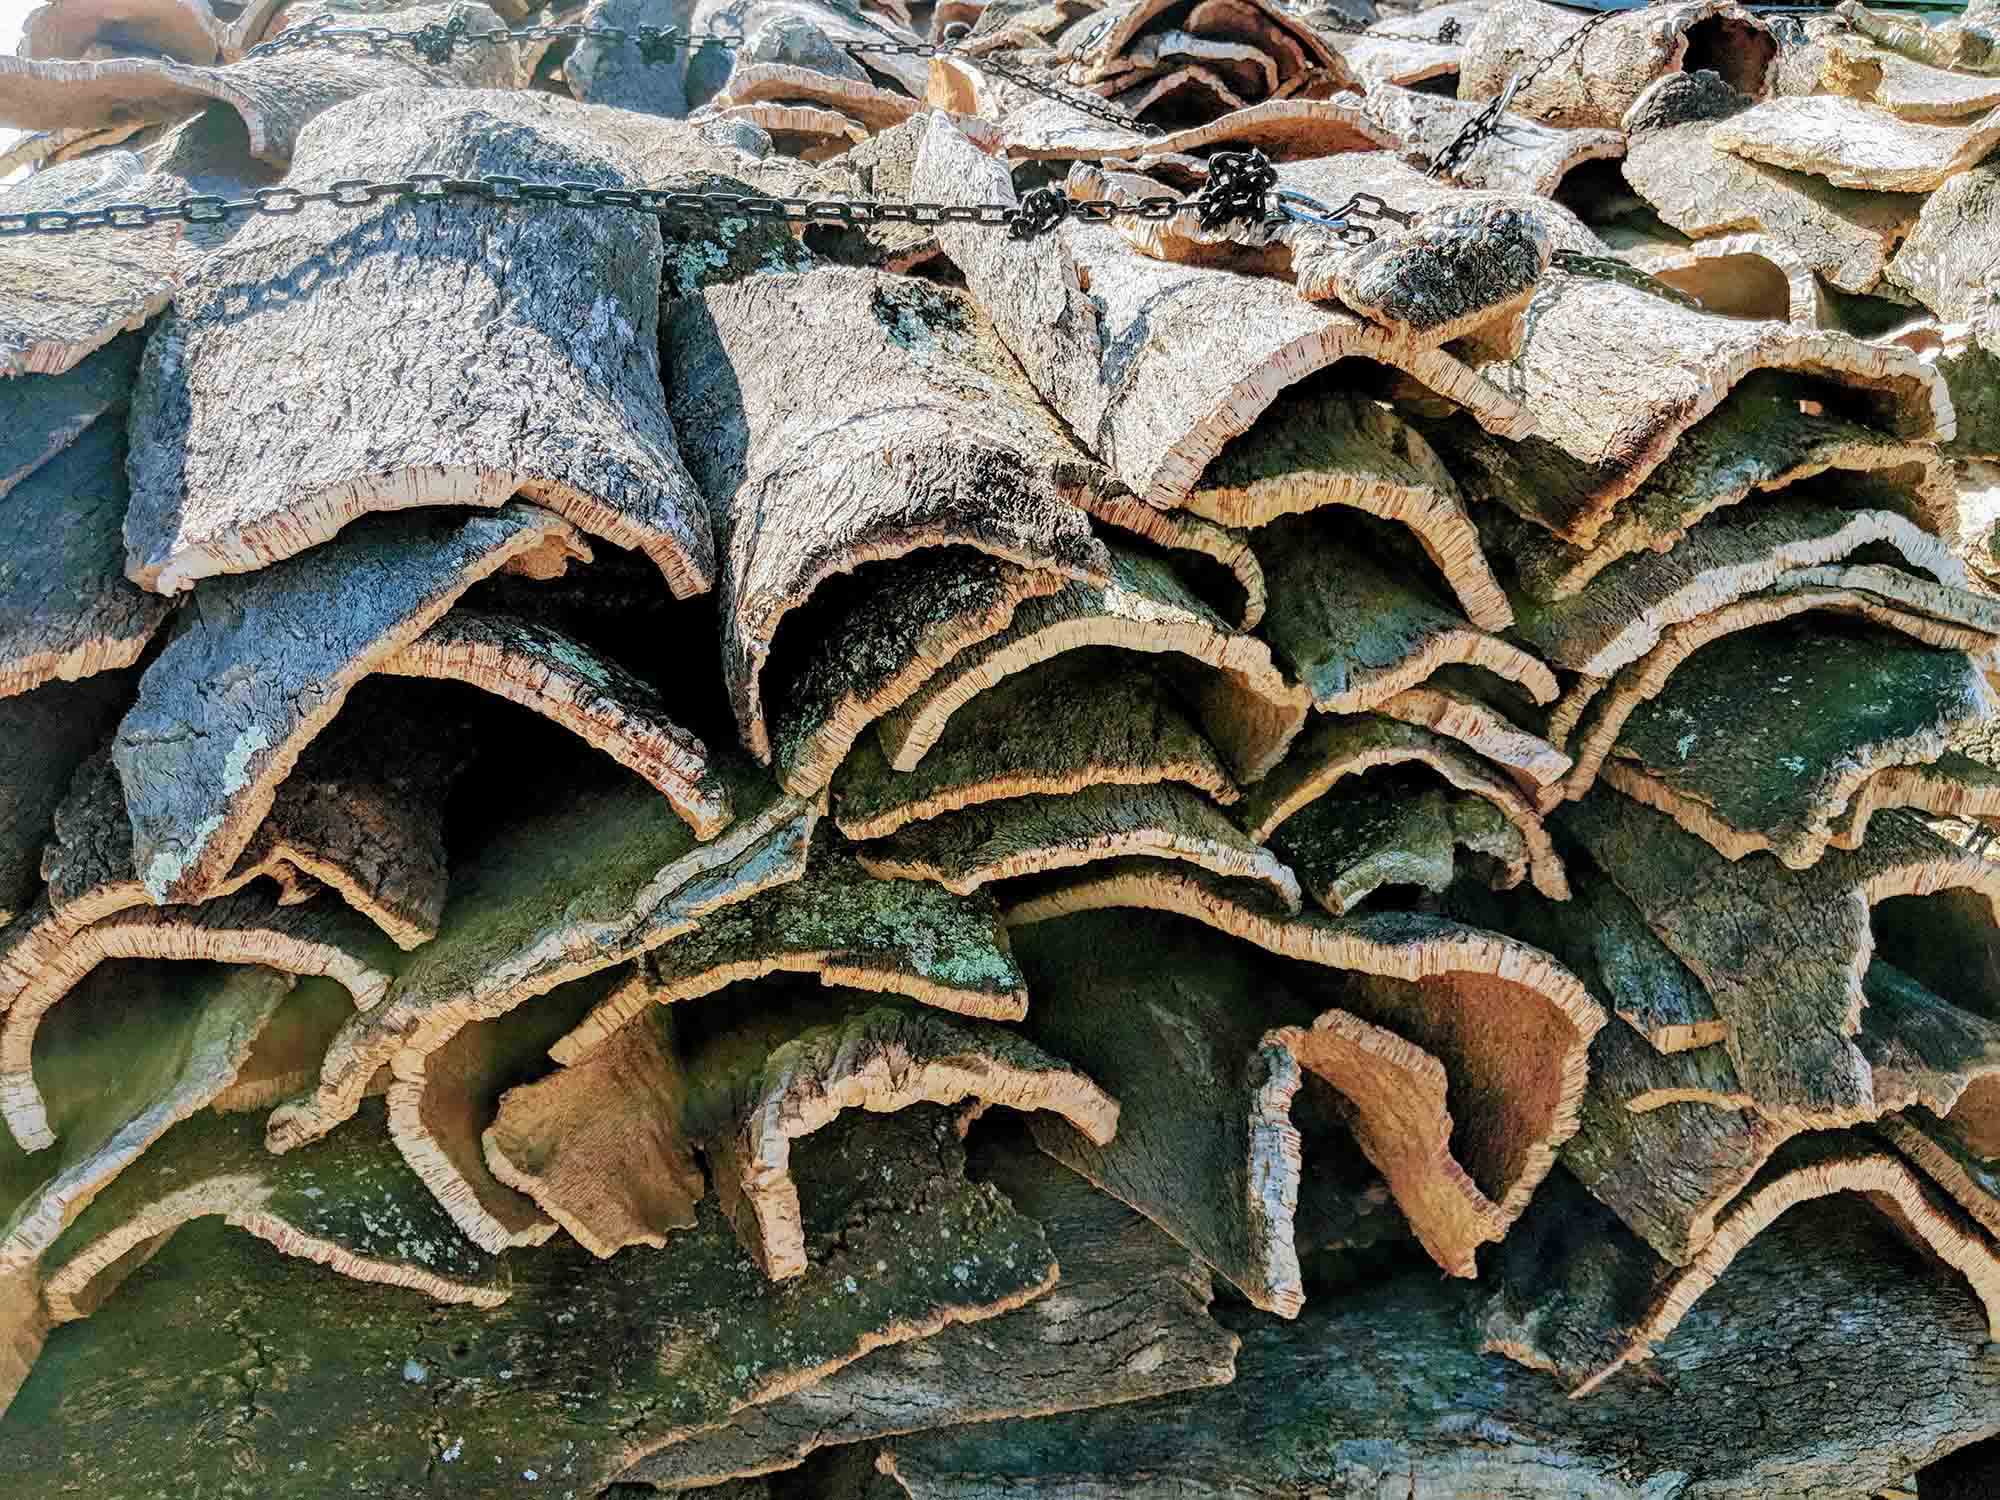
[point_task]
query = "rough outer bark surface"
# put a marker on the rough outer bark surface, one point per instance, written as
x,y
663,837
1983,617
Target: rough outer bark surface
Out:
x,y
1459,705
1526,156
1350,843
1283,129
40,418
1243,703
1948,1158
1969,44
1158,366
186,30
1608,70
835,921
1907,88
530,663
790,1070
241,462
679,1340
930,433
201,765
1128,1321
1853,145
44,736
1947,260
1845,235
614,73
1738,275
1083,719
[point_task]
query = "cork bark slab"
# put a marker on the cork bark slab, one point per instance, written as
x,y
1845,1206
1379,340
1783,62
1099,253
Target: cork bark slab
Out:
x,y
286,1055
1738,275
276,96
1908,89
1846,235
1457,705
321,938
1331,448
786,25
929,437
533,664
1598,80
1177,531
1283,129
799,130
1355,630
1811,719
593,876
601,1147
1241,700
837,922
1952,786
1947,1158
40,418
1946,263
914,616
1098,44
1084,719
872,107
1524,156
1158,366
242,465
44,736
201,768
1586,1309
1339,747
1967,45
1617,375
790,1070
1129,1321
1383,60
1350,843
614,72
1854,145
185,30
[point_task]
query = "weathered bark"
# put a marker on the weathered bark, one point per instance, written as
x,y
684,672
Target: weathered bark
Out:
x,y
1525,156
1099,45
1952,786
934,436
878,167
285,1057
799,130
40,418
615,73
1610,68
1946,262
1948,1158
793,1067
1905,87
1738,275
1178,531
1845,235
200,768
1244,705
593,876
185,30
1407,50
1283,129
835,922
1459,705
1129,1321
237,468
1853,145
795,31
1969,45
861,101
1348,844
44,736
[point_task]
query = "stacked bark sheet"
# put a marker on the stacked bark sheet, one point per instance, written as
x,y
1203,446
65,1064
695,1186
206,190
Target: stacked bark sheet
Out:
x,y
903,827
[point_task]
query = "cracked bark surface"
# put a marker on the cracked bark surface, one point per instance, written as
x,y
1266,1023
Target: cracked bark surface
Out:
x,y
1854,146
44,737
1526,157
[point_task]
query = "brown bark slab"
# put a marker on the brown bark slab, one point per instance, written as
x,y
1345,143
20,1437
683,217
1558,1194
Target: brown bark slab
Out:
x,y
1853,145
1142,32
185,30
1525,156
1283,129
759,1085
200,769
1609,69
799,130
933,435
240,467
1088,1345
1952,786
1968,45
862,101
44,736
1906,87
1948,1158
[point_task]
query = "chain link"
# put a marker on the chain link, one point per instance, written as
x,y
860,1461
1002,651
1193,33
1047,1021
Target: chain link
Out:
x,y
1486,123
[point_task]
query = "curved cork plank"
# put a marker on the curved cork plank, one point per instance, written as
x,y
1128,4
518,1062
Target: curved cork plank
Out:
x,y
1033,835
1967,45
535,665
756,1088
276,96
1177,531
1355,629
798,130
1607,419
45,736
1243,703
1098,42
321,938
916,614
1201,352
1338,747
1854,145
236,469
1350,843
602,1147
1290,129
1909,89
839,923
1947,1158
1845,235
1524,156
1455,705
593,876
1738,275
286,1055
1952,786
201,769
872,107
1946,261
1610,68
1330,448
40,418
1084,719
934,436
1766,744
1129,1321
185,30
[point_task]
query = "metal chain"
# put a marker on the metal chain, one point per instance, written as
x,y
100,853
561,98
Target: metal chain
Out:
x,y
1486,123
1449,30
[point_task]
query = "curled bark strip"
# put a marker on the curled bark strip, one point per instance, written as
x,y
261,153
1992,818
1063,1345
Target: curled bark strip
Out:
x,y
201,769
1455,706
1523,156
1949,1159
1909,89
872,107
1177,531
1853,145
184,30
801,130
601,1147
916,614
1081,720
757,1088
1351,842
1391,61
1335,748
1952,786
286,1055
537,666
1098,45
1283,129
1968,45
1331,448
933,435
595,876
322,938
1752,275
1199,353
276,96
1245,707
839,923
1609,69
235,469
1032,835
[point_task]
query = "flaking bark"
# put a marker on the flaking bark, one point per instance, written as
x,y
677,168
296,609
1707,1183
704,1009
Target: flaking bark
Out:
x,y
1525,156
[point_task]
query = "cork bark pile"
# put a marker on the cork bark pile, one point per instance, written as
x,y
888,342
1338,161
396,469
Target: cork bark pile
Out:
x,y
685,851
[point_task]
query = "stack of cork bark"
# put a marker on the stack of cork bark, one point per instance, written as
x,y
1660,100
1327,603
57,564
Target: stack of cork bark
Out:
x,y
682,851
